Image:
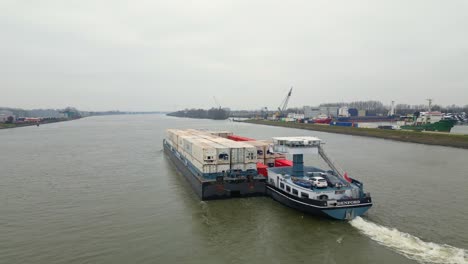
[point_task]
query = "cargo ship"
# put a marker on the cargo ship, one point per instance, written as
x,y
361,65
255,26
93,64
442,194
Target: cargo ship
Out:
x,y
322,119
428,121
367,119
219,165
312,190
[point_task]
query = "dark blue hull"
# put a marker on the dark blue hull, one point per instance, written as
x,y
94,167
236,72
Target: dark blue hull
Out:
x,y
209,189
357,119
319,208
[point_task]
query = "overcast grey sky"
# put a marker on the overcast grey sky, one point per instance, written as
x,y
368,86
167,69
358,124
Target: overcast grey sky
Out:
x,y
164,55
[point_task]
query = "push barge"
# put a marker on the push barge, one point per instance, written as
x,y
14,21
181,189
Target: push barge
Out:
x,y
220,165
215,166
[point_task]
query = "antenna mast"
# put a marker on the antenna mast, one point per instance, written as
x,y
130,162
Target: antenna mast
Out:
x,y
430,104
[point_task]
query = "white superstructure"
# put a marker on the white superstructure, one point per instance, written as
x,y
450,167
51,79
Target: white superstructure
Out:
x,y
296,145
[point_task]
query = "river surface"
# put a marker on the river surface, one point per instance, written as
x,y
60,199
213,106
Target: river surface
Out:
x,y
100,190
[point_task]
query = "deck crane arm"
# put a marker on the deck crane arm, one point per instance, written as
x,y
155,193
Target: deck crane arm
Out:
x,y
216,102
284,105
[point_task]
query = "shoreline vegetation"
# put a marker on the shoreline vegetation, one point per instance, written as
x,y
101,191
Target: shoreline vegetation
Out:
x,y
428,138
213,113
42,122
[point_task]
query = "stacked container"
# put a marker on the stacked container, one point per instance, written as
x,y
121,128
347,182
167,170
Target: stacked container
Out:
x,y
203,155
212,153
243,156
221,155
269,155
262,148
223,134
249,156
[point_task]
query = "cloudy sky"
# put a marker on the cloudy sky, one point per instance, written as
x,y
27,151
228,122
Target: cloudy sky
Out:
x,y
165,55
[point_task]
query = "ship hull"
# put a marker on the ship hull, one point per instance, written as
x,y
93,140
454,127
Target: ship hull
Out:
x,y
440,126
314,207
367,119
322,121
217,189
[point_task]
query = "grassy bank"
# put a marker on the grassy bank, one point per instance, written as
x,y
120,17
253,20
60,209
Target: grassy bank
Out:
x,y
3,125
441,139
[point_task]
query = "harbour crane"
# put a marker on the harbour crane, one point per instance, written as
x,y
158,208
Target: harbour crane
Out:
x,y
264,112
284,104
216,102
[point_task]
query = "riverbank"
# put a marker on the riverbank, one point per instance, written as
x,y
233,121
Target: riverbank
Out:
x,y
43,122
441,139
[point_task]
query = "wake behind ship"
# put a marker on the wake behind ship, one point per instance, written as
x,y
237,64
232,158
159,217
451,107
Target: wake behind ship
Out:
x,y
221,165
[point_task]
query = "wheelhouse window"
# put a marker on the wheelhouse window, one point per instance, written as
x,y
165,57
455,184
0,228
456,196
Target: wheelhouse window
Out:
x,y
288,189
295,192
282,185
305,195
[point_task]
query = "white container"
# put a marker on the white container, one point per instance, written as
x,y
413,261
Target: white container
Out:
x,y
223,153
268,149
223,168
237,155
221,133
260,146
236,149
204,168
279,156
225,134
250,166
186,155
238,166
270,162
187,143
171,135
203,152
250,153
198,132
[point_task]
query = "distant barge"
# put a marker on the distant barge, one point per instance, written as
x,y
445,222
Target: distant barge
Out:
x,y
220,165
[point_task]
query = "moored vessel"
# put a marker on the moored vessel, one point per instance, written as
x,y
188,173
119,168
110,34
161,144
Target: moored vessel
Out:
x,y
428,121
322,119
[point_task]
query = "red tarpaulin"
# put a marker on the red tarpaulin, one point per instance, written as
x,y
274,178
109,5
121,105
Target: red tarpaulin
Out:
x,y
239,138
262,169
283,163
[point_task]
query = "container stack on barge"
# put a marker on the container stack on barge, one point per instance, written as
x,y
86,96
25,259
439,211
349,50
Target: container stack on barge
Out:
x,y
215,166
220,165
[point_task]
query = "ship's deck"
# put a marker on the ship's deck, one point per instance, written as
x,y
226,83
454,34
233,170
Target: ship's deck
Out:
x,y
310,171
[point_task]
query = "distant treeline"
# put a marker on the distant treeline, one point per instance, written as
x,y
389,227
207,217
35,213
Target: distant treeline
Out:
x,y
18,112
213,113
116,112
68,112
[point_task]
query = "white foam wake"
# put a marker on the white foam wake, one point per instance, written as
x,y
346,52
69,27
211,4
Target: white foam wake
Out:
x,y
410,246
